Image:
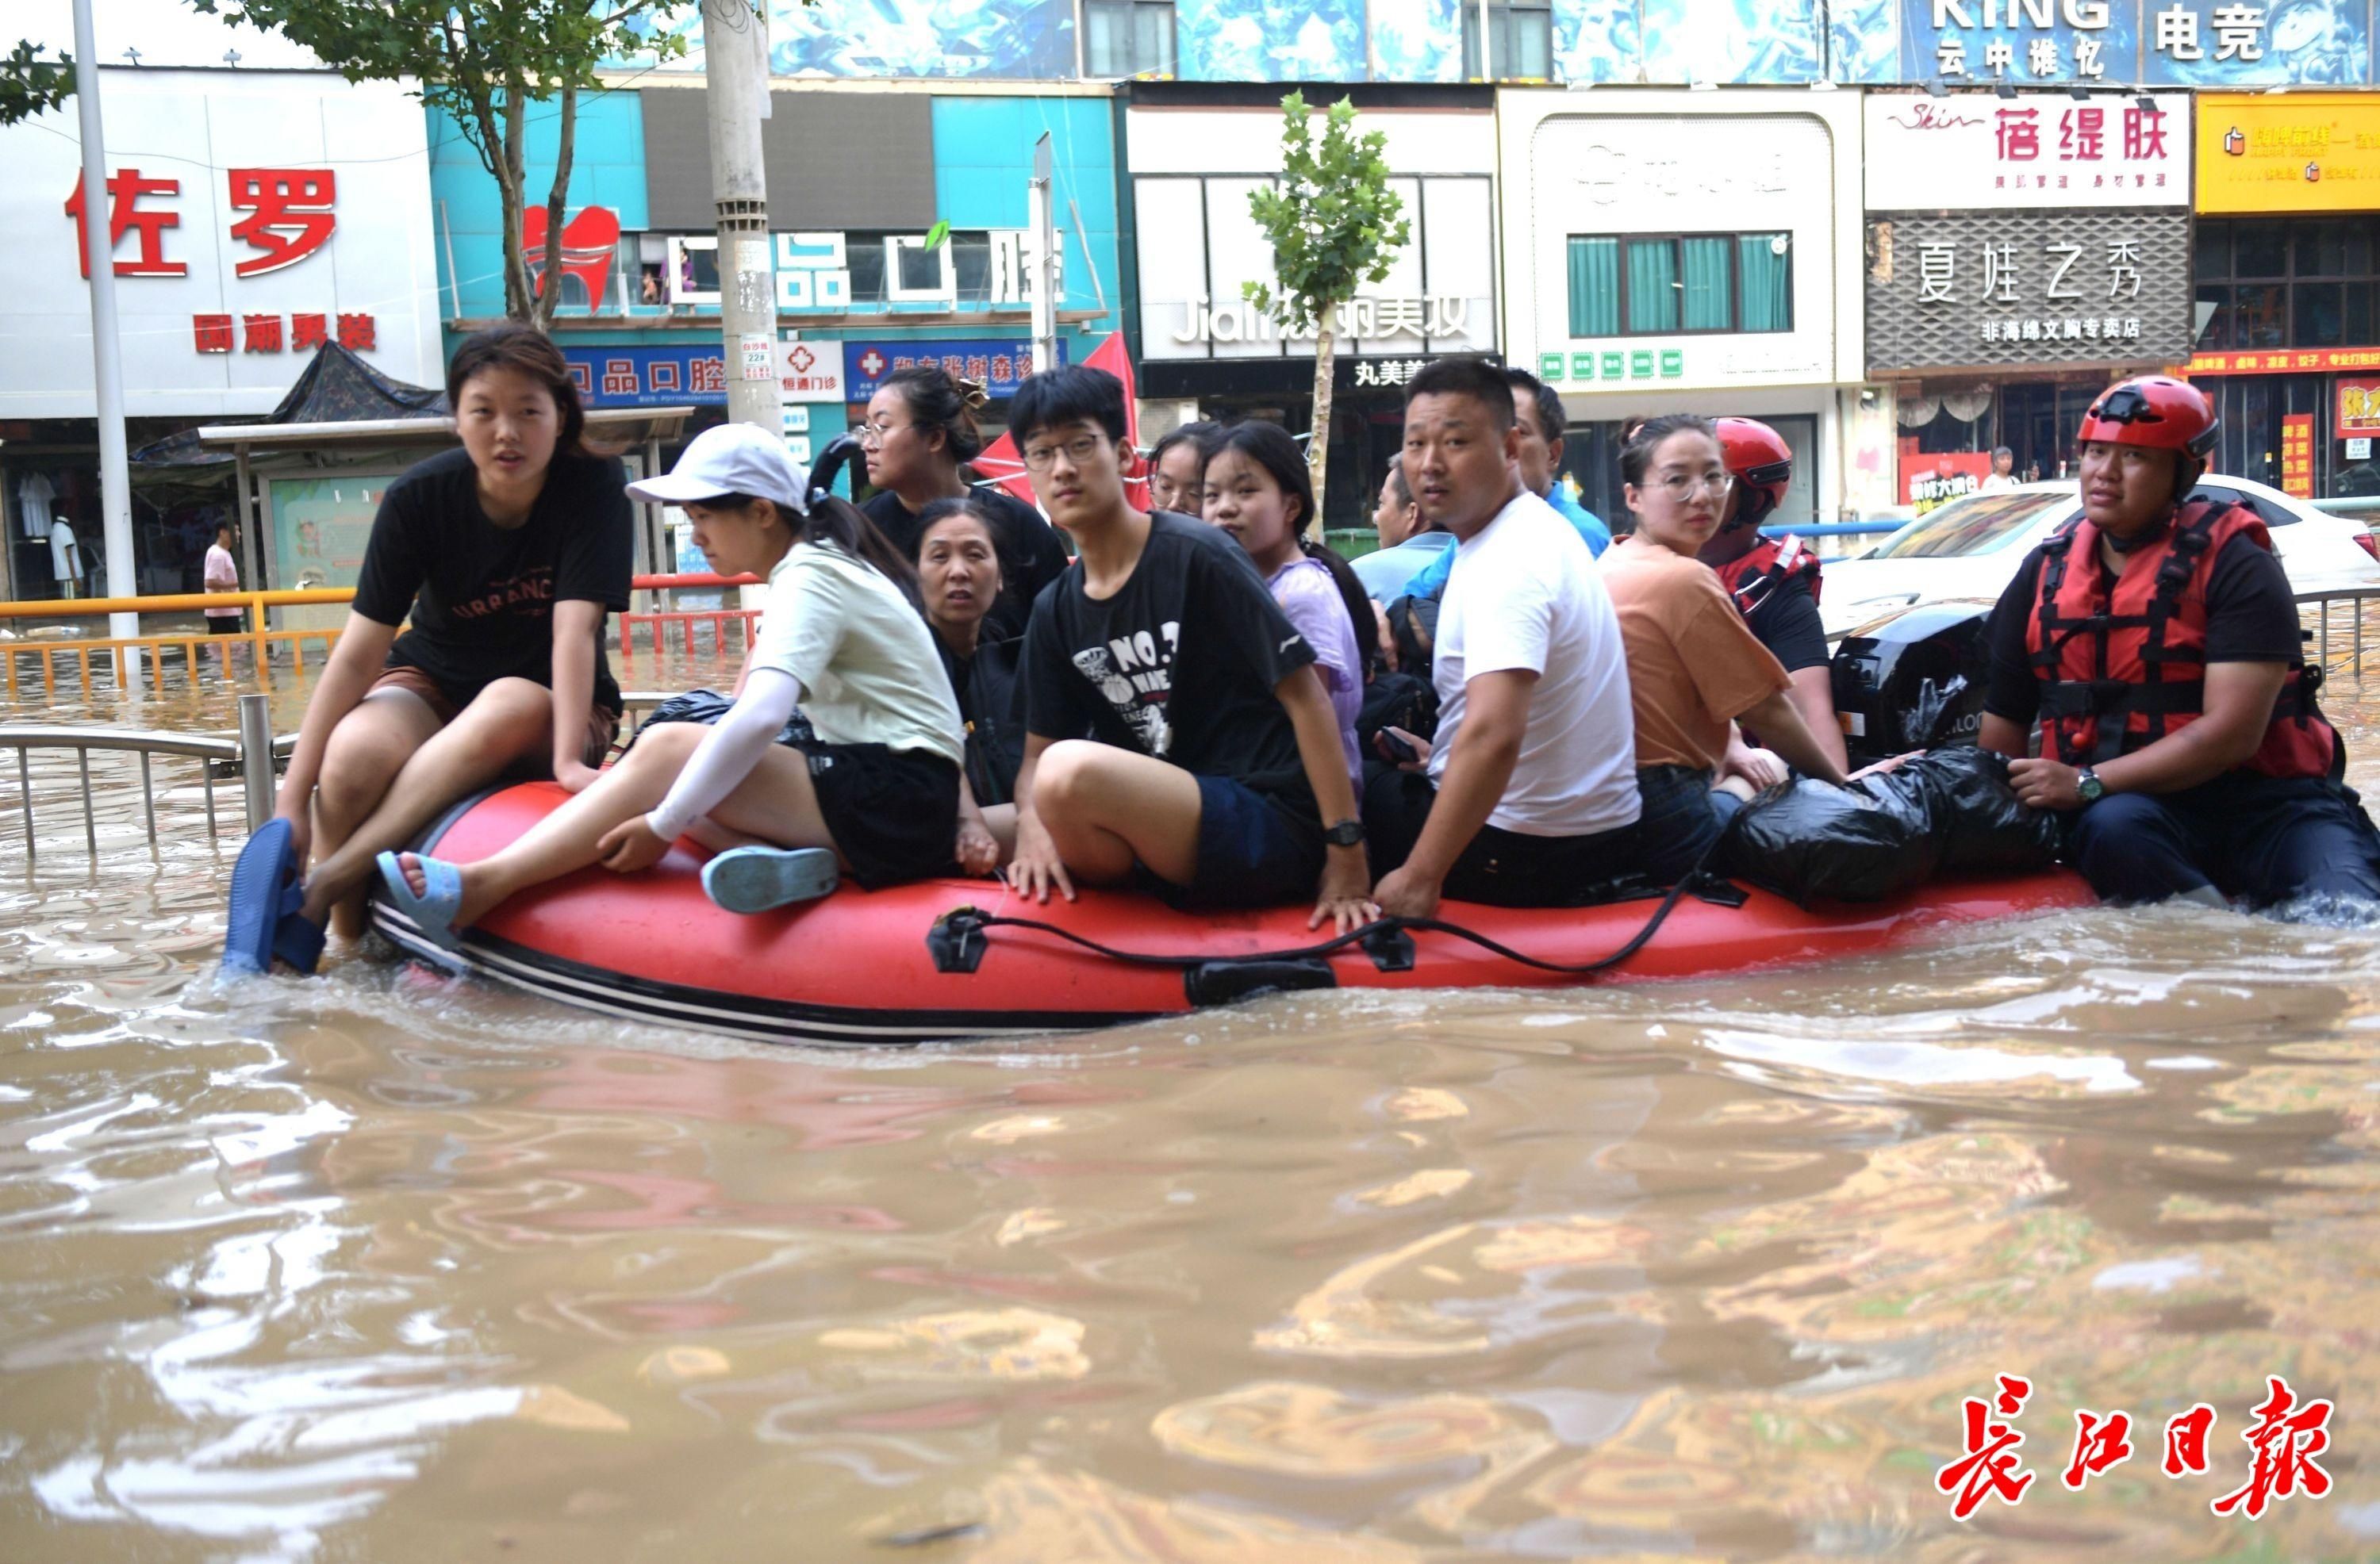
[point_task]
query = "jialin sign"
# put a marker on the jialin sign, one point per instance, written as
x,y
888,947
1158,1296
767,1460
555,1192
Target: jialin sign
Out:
x,y
1979,290
1975,153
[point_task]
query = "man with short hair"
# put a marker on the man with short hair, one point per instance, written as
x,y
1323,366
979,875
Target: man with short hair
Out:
x,y
1538,421
1529,796
2003,476
1408,542
1214,769
2156,641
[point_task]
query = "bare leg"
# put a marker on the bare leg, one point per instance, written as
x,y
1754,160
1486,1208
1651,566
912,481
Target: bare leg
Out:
x,y
510,719
774,804
368,748
1106,808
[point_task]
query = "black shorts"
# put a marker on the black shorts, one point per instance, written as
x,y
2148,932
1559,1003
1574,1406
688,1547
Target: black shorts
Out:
x,y
1502,869
894,813
1253,851
228,623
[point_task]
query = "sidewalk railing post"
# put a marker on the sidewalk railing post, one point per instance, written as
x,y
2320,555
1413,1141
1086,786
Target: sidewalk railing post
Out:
x,y
256,756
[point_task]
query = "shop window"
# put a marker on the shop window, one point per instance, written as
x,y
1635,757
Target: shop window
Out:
x,y
2212,256
1127,38
2318,308
2259,315
2215,299
1657,285
1520,41
971,266
2261,250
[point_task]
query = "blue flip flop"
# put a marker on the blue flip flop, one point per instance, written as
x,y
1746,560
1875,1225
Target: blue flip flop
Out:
x,y
433,911
753,880
266,924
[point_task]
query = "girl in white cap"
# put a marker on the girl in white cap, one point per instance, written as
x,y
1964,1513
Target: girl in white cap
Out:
x,y
874,793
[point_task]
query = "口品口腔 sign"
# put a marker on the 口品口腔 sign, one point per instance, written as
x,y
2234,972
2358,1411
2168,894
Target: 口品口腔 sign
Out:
x,y
1977,154
1996,289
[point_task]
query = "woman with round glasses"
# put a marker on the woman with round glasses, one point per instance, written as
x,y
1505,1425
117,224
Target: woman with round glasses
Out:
x,y
919,436
1694,668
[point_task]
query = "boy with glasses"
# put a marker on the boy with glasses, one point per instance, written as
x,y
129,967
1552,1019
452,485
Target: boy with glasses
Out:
x,y
1214,774
1529,797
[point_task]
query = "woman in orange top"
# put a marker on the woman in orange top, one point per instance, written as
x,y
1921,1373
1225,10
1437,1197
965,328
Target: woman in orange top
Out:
x,y
1694,668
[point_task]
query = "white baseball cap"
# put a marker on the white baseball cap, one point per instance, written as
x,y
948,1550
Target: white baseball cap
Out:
x,y
731,459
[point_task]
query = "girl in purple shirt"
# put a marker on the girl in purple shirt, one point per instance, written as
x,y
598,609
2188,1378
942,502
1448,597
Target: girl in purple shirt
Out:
x,y
1258,490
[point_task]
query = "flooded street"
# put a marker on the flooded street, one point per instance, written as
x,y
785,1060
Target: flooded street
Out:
x,y
385,1266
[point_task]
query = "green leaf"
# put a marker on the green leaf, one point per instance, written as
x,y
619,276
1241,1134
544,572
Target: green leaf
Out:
x,y
936,234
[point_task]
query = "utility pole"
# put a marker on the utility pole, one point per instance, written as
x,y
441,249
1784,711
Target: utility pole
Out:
x,y
1045,262
107,363
735,70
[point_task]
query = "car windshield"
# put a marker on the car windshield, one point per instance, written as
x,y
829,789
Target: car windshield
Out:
x,y
1976,525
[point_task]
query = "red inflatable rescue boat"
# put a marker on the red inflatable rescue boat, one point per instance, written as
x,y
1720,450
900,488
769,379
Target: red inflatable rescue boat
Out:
x,y
889,966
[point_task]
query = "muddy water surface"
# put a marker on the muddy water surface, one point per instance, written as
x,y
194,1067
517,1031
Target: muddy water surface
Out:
x,y
382,1266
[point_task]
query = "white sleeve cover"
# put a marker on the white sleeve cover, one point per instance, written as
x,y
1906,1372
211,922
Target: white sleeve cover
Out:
x,y
728,752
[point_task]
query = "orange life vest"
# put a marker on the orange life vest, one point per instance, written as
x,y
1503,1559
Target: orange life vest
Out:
x,y
2123,665
1766,566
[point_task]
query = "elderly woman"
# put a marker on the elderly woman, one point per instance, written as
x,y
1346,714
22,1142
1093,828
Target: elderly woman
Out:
x,y
959,581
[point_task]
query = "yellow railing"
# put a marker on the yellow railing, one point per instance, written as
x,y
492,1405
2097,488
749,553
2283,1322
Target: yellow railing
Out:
x,y
121,651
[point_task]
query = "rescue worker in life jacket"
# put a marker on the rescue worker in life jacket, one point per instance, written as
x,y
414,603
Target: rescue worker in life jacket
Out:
x,y
2157,642
1774,580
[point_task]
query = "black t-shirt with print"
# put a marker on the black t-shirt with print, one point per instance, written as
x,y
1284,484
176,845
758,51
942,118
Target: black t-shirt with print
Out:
x,y
991,691
482,596
1180,663
1786,622
1031,551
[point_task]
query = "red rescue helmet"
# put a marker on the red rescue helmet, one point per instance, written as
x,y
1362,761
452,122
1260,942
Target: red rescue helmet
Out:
x,y
2156,411
1761,464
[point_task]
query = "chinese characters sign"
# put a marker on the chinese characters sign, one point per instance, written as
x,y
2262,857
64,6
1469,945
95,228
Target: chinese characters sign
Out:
x,y
250,220
998,365
2311,152
2163,42
2359,408
2297,456
1985,290
2284,1437
1975,153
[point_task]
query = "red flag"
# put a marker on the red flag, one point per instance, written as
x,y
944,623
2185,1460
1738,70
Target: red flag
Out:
x,y
1004,465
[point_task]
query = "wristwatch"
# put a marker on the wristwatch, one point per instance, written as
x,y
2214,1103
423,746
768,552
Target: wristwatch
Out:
x,y
2087,785
1346,834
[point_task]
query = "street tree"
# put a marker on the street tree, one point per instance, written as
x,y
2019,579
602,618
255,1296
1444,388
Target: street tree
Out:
x,y
29,84
489,64
1334,225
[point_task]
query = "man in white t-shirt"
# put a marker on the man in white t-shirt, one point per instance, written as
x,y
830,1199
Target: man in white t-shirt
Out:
x,y
1529,796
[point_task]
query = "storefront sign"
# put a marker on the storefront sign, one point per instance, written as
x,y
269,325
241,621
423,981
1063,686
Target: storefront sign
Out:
x,y
1976,290
1198,242
2359,408
2284,360
1975,153
283,213
1928,482
2164,42
1628,364
2297,456
2301,151
997,366
695,374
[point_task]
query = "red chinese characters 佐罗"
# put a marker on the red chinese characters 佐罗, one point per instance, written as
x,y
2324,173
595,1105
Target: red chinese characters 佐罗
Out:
x,y
290,215
125,189
1991,1466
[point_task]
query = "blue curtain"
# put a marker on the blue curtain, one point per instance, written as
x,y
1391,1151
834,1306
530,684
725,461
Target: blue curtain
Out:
x,y
1652,285
1768,284
1594,287
1709,290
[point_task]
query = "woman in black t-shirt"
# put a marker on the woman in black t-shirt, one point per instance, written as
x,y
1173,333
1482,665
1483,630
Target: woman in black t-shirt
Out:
x,y
503,559
959,573
919,436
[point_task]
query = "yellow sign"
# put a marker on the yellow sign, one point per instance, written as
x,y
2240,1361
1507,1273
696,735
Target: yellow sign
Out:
x,y
2299,152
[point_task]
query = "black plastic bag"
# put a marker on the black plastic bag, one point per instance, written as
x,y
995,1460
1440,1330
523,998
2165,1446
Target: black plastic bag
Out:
x,y
1951,810
707,706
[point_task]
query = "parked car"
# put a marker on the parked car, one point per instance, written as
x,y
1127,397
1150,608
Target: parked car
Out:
x,y
1971,549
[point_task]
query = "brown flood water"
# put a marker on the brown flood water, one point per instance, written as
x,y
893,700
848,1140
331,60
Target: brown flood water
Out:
x,y
378,1266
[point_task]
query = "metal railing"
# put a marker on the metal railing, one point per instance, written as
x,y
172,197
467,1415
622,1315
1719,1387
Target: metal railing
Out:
x,y
122,651
254,751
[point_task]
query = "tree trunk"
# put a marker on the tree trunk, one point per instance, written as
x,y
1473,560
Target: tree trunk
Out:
x,y
550,296
520,302
1318,448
